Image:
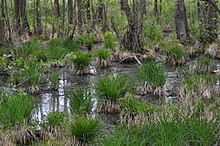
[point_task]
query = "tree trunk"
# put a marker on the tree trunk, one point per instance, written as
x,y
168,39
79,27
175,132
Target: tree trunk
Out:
x,y
208,21
17,21
57,8
88,9
2,23
38,24
23,16
182,30
81,16
155,7
70,11
63,18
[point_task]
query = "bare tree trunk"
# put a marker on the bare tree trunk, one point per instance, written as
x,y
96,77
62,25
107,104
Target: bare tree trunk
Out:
x,y
2,23
23,16
8,22
88,9
161,6
63,18
38,24
17,21
81,16
182,29
208,21
156,7
70,11
57,9
143,7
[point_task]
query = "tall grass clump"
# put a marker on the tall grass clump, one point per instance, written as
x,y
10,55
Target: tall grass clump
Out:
x,y
204,65
103,58
173,52
133,105
84,129
54,80
55,51
81,62
112,88
198,87
15,109
154,34
151,77
80,102
109,40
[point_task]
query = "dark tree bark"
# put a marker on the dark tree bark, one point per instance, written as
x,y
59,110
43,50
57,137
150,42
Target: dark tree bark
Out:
x,y
81,16
70,11
38,24
63,18
88,9
155,7
23,16
17,21
208,20
182,30
143,7
2,23
57,9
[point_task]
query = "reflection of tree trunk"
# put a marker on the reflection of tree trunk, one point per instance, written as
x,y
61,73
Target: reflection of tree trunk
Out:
x,y
208,21
58,103
182,30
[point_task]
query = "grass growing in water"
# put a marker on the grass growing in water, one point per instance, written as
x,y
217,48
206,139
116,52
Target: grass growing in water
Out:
x,y
80,102
55,119
133,105
103,57
54,79
152,78
15,109
84,129
112,88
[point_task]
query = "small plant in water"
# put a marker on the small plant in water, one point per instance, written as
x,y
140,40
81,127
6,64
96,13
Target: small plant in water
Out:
x,y
80,102
103,58
84,129
54,80
81,62
151,77
133,105
112,88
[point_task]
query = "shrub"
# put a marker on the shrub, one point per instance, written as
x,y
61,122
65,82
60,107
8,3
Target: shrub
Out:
x,y
112,88
84,129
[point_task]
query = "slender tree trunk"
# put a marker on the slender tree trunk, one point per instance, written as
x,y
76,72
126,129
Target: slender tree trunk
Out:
x,y
161,1
2,23
182,30
156,7
57,9
81,16
8,22
23,16
70,11
88,9
38,23
208,21
17,21
143,7
63,18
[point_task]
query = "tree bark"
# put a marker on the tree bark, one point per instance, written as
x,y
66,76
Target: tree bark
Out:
x,y
38,23
2,23
23,16
17,20
182,29
70,11
57,9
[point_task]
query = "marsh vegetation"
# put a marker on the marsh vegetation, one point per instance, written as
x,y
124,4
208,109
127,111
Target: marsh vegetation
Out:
x,y
109,72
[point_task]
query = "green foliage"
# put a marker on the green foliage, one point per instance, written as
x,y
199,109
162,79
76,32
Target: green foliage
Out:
x,y
85,129
204,64
81,60
80,102
103,54
32,72
154,34
174,52
70,44
109,40
55,119
132,104
112,88
54,79
87,40
152,73
15,109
